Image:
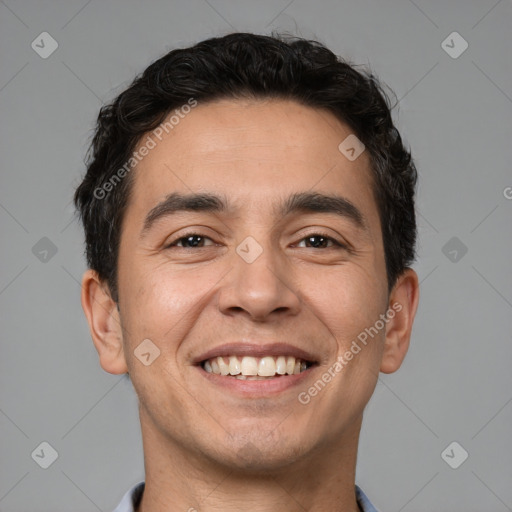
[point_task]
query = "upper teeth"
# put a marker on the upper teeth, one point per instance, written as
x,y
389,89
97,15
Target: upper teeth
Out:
x,y
265,366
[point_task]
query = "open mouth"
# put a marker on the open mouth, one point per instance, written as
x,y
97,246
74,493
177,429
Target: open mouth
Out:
x,y
255,368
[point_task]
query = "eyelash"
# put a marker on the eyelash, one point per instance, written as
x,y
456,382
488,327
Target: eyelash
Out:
x,y
336,243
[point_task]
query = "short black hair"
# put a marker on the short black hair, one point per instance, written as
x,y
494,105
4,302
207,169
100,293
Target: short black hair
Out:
x,y
241,66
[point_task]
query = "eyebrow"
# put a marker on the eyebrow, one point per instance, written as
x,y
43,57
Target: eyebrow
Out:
x,y
301,202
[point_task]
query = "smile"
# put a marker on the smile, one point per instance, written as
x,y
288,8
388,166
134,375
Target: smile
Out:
x,y
255,368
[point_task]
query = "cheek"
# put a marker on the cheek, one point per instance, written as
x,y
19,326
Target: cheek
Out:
x,y
157,302
350,311
163,303
347,302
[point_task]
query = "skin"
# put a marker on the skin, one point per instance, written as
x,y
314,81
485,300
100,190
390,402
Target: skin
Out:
x,y
206,448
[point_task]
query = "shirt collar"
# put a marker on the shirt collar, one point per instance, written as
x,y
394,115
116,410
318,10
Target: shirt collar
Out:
x,y
364,503
132,499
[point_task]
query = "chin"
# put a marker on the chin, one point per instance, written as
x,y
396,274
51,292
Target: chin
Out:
x,y
259,453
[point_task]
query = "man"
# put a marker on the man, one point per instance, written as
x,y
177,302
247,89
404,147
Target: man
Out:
x,y
249,218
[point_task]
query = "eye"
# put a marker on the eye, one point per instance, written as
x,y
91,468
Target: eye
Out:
x,y
191,240
320,241
315,241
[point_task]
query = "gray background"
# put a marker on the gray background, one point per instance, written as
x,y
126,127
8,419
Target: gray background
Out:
x,y
455,113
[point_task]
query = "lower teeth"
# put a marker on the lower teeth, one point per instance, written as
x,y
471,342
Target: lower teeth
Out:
x,y
253,377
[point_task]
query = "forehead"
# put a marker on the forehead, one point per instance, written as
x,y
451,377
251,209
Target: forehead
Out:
x,y
256,152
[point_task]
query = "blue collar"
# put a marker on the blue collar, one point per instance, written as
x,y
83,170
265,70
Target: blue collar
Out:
x,y
132,498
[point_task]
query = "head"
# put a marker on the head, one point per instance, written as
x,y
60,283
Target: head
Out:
x,y
235,146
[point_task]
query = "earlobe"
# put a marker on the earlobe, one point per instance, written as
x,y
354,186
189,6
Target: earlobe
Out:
x,y
403,304
102,314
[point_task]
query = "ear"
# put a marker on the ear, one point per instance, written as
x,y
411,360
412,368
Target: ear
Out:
x,y
104,323
403,301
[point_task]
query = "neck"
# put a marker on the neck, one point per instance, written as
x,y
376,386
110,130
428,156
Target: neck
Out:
x,y
188,481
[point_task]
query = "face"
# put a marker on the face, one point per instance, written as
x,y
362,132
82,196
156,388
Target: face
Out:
x,y
259,269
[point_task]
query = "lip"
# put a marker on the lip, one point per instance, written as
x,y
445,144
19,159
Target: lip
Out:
x,y
256,388
256,350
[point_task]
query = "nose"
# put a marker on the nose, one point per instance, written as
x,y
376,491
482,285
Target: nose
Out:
x,y
262,289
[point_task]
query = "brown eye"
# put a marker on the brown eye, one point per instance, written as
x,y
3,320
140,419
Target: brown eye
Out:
x,y
190,241
319,241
